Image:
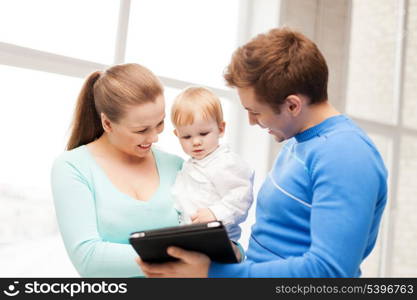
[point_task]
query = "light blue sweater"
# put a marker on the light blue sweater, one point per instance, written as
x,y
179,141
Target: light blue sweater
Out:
x,y
319,210
96,219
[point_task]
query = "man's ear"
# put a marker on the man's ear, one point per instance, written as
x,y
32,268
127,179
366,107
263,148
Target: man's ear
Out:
x,y
222,127
294,104
106,123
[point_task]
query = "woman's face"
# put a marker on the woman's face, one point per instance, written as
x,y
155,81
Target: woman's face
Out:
x,y
135,133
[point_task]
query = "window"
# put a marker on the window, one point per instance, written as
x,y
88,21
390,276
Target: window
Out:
x,y
373,43
189,40
33,125
410,67
381,85
74,28
39,107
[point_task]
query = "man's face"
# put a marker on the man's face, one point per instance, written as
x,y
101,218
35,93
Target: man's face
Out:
x,y
280,125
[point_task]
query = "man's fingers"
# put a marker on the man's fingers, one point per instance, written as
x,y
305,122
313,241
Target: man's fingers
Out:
x,y
187,261
156,275
158,268
154,269
184,255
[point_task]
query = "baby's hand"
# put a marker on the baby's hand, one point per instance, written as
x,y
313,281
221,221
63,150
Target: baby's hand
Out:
x,y
203,215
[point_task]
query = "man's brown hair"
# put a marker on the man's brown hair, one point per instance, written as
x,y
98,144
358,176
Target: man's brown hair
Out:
x,y
277,64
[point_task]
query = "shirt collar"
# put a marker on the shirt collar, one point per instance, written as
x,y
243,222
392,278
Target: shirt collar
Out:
x,y
318,129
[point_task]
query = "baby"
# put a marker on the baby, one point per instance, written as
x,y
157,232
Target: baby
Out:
x,y
215,183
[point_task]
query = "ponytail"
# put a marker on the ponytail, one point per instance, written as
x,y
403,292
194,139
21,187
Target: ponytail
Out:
x,y
86,125
111,92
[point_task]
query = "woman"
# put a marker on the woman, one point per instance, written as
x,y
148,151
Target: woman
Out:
x,y
112,181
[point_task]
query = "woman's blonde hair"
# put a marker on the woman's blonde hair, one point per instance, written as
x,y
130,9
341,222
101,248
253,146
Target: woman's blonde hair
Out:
x,y
110,92
193,101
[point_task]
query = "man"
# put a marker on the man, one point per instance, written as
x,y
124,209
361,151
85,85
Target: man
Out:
x,y
319,209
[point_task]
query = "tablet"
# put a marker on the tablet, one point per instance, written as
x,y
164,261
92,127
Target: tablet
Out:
x,y
209,238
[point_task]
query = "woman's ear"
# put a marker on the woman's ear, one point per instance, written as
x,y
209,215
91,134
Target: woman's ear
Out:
x,y
222,127
106,123
175,132
294,104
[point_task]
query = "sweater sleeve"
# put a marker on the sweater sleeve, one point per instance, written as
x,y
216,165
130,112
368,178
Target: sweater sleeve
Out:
x,y
233,181
75,209
346,182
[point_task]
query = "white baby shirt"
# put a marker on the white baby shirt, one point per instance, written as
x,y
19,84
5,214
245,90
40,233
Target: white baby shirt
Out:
x,y
222,182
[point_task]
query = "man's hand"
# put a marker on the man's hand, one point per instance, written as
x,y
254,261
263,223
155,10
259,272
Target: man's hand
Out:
x,y
203,215
190,264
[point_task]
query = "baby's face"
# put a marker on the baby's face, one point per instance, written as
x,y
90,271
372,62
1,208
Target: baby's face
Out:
x,y
200,138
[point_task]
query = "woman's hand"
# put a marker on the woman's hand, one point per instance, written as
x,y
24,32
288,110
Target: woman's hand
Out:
x,y
190,264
